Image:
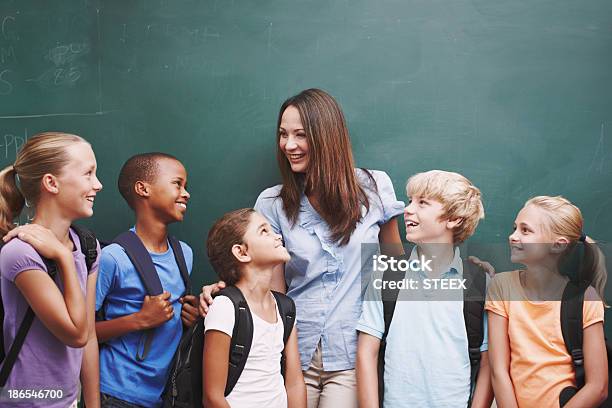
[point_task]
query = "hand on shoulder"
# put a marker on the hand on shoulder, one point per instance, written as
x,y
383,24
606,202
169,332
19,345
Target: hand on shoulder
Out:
x,y
42,239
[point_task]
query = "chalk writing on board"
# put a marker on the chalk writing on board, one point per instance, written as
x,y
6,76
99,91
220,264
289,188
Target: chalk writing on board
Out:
x,y
67,68
10,144
58,77
196,35
50,115
67,53
599,160
6,87
7,28
7,55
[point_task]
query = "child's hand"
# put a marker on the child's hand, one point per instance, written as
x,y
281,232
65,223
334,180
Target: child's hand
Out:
x,y
206,296
189,312
486,266
41,238
155,311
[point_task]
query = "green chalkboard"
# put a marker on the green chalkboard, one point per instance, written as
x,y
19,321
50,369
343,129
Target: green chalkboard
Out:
x,y
516,95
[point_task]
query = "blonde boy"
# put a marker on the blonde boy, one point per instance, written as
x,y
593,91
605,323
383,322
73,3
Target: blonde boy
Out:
x,y
426,361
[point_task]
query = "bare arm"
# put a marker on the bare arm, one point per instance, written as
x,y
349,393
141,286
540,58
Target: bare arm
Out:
x,y
65,315
367,370
294,379
389,239
206,297
90,367
215,360
595,389
278,284
483,394
499,358
155,311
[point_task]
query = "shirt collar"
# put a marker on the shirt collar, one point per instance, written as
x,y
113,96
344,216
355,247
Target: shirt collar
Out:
x,y
455,267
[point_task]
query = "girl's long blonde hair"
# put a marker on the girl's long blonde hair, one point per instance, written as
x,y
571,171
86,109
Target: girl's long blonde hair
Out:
x,y
565,219
44,153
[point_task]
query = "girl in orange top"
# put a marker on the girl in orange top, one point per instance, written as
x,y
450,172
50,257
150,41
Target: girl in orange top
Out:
x,y
529,362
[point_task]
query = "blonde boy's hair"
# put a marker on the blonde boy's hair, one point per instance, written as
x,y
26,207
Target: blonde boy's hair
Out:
x,y
459,197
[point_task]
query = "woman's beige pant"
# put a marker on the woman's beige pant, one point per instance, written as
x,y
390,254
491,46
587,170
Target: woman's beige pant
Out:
x,y
329,389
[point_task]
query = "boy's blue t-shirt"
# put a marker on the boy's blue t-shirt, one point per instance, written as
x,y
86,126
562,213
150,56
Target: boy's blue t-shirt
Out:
x,y
121,292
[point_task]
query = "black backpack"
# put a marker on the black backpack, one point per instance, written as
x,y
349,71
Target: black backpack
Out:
x,y
184,386
572,305
89,248
473,311
141,259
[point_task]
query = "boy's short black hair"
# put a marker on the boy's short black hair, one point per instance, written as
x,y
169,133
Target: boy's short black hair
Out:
x,y
141,167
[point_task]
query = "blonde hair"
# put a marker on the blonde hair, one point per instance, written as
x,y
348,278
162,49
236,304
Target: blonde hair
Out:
x,y
565,219
459,197
44,153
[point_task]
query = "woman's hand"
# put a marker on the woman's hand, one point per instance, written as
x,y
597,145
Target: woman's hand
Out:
x,y
484,265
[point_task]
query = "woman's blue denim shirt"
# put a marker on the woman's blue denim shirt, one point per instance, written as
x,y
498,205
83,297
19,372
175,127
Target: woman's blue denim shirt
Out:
x,y
323,278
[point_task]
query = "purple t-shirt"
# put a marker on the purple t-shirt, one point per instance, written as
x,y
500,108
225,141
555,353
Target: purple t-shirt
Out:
x,y
44,362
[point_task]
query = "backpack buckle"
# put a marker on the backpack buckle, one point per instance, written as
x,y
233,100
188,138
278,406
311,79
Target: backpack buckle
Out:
x,y
577,357
92,253
236,354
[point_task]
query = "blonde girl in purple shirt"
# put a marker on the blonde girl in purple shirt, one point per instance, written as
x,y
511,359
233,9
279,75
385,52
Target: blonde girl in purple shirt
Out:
x,y
55,176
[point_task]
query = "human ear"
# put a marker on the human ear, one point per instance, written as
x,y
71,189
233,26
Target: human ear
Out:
x,y
49,183
142,188
559,245
452,224
240,252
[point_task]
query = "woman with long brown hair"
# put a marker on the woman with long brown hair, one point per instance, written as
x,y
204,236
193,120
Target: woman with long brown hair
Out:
x,y
325,209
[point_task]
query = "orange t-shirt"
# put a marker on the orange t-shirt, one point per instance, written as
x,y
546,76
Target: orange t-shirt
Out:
x,y
540,366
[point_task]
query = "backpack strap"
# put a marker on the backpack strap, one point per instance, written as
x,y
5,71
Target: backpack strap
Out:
x,y
89,245
242,336
286,309
473,315
89,248
177,249
141,259
389,300
9,360
2,353
571,327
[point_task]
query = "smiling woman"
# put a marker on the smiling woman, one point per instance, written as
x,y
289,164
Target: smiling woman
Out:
x,y
325,210
55,175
